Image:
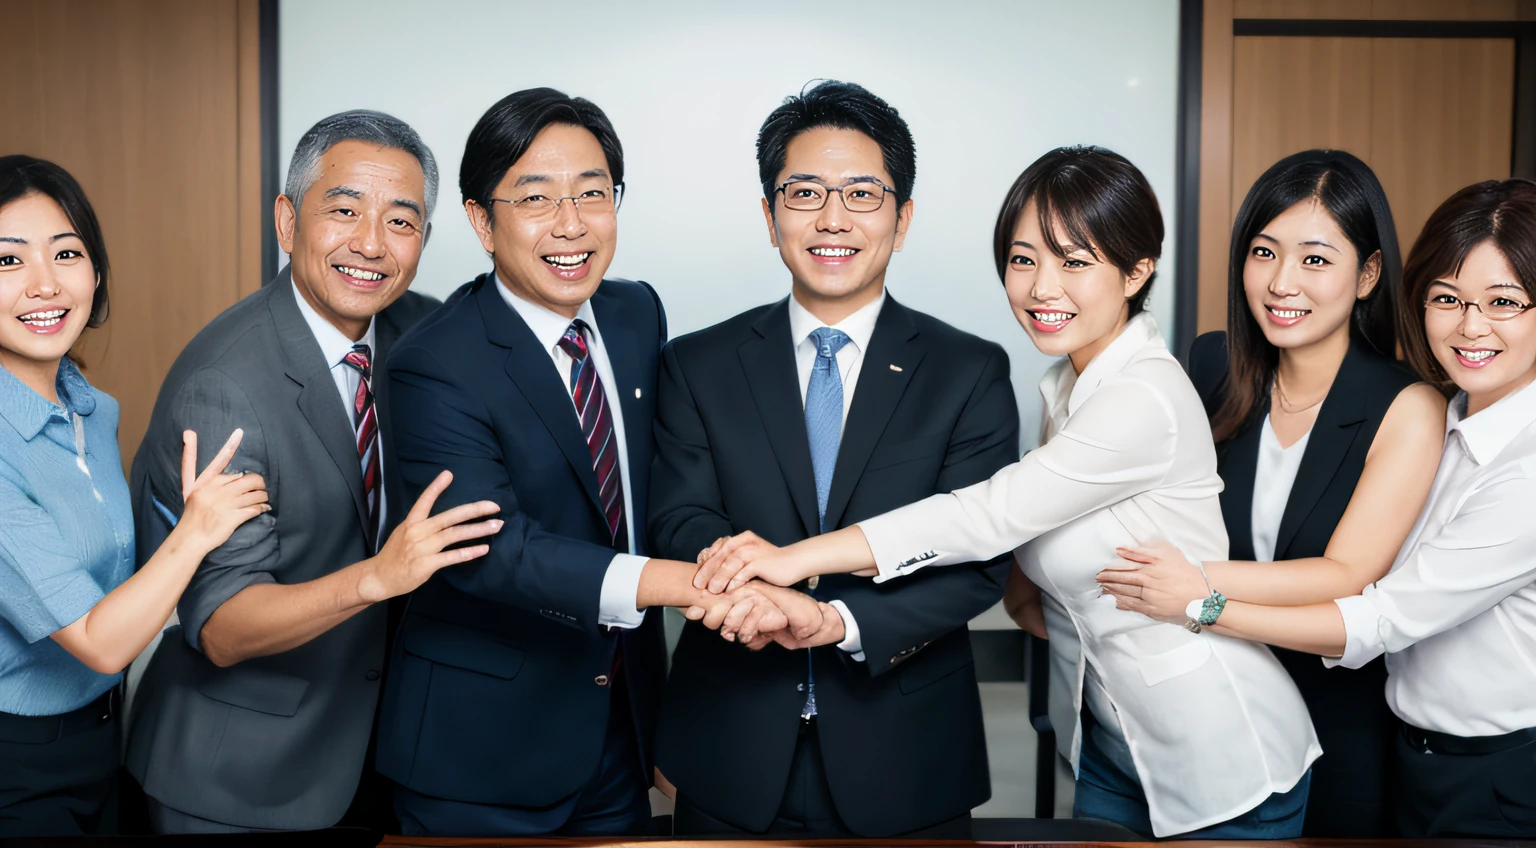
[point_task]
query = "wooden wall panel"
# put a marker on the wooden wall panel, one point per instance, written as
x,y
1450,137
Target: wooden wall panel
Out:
x,y
143,102
1305,9
1215,164
1442,113
1381,10
1296,93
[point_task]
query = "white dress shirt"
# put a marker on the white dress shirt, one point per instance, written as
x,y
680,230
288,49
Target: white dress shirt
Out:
x,y
1273,478
621,583
1213,725
334,346
1457,612
859,327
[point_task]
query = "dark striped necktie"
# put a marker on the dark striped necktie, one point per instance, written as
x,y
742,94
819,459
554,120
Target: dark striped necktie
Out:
x,y
597,425
366,422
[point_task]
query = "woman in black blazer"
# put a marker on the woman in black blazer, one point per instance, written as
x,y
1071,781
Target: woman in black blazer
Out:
x,y
1304,383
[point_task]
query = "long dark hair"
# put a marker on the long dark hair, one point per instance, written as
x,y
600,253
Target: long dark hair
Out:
x,y
23,175
1101,201
1348,189
1498,212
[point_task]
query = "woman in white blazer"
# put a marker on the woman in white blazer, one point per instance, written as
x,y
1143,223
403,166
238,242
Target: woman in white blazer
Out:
x,y
1183,733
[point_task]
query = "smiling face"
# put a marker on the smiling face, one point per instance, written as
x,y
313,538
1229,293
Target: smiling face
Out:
x,y
1486,359
47,283
356,238
1072,305
836,258
558,260
1303,276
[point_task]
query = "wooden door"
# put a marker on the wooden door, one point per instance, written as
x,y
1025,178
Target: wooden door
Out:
x,y
153,106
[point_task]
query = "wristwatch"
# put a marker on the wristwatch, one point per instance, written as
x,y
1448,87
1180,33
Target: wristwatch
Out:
x,y
1205,611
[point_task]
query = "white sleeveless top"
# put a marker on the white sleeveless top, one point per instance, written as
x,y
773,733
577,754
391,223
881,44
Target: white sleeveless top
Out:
x,y
1272,481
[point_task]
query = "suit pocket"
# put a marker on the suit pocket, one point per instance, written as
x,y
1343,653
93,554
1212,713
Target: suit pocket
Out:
x,y
908,450
447,644
935,662
257,690
1160,668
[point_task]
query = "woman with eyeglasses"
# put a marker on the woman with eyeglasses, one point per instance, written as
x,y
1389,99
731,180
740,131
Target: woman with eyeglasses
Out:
x,y
1178,733
1326,443
73,613
1456,614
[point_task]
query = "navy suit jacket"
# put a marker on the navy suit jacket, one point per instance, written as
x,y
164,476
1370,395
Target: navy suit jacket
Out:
x,y
497,690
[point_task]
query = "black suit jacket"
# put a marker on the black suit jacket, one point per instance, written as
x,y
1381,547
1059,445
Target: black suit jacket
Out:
x,y
277,741
901,733
1349,795
497,688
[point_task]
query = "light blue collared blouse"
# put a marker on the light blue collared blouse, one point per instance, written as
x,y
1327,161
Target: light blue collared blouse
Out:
x,y
66,536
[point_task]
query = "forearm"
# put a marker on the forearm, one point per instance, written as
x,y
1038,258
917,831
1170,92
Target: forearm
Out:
x,y
844,551
123,623
1314,629
669,583
1288,583
270,618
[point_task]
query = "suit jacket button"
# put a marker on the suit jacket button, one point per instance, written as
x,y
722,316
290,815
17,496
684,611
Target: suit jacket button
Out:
x,y
800,687
601,680
371,674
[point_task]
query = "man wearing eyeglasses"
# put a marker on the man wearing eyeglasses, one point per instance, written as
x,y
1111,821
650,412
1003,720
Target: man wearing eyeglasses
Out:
x,y
827,407
521,690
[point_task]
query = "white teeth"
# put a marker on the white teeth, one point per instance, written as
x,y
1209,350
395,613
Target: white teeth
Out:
x,y
1052,317
569,260
359,274
1476,355
44,319
1288,313
833,251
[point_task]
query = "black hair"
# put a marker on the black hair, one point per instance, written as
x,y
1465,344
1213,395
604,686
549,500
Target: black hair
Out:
x,y
843,106
1102,202
1348,190
506,131
22,175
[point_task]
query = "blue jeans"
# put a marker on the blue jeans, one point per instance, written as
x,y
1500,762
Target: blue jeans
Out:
x,y
1105,791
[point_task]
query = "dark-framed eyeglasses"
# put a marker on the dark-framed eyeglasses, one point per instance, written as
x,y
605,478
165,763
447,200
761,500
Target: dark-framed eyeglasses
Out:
x,y
540,206
1498,307
811,195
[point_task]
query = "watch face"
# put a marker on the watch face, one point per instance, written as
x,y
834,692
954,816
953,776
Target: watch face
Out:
x,y
1195,609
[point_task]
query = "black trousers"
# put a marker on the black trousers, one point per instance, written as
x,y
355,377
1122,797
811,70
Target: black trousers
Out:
x,y
58,774
1458,787
807,811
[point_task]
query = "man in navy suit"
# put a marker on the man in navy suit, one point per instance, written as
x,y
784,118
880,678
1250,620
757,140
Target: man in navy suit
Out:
x,y
522,690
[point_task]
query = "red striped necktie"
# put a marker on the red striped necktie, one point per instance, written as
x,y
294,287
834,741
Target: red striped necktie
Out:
x,y
365,420
597,425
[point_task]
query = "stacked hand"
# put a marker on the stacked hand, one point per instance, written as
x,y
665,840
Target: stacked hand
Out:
x,y
754,607
1156,580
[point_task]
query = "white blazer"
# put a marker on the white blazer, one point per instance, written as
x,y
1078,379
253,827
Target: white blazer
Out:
x,y
1214,724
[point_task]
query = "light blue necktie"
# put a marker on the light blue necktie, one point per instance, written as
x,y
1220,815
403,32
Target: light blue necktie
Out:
x,y
824,430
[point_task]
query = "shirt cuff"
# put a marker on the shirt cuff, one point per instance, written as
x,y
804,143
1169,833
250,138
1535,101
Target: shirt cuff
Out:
x,y
894,554
1362,633
851,641
616,605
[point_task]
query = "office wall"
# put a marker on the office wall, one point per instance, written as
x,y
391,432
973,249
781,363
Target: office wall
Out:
x,y
986,86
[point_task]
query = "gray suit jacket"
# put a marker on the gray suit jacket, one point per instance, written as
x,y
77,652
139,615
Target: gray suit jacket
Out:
x,y
278,741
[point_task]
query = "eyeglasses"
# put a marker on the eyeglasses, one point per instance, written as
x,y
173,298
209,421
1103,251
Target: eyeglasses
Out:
x,y
535,207
811,195
1498,308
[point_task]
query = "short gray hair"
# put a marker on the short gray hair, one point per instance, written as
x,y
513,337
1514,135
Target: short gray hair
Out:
x,y
356,125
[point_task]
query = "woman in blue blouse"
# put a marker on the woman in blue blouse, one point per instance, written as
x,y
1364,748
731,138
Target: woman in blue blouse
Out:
x,y
73,613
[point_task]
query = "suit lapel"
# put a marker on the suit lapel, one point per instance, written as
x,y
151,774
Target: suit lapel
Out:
x,y
529,366
768,360
875,395
1240,462
1338,422
318,399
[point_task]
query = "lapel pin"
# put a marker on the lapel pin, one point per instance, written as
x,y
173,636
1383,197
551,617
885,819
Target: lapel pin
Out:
x,y
895,367
637,394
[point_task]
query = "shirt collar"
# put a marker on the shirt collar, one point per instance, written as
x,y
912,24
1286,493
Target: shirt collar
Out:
x,y
1063,385
1487,433
334,345
29,412
860,326
548,326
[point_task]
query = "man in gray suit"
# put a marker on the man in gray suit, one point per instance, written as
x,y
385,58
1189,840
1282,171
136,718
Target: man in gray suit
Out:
x,y
255,713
